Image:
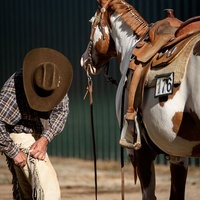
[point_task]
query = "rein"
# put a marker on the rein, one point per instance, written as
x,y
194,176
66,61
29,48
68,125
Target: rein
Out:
x,y
107,77
89,89
98,20
121,148
90,84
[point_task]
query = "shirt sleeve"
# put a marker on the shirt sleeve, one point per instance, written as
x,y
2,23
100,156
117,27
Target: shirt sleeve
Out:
x,y
57,119
7,145
9,116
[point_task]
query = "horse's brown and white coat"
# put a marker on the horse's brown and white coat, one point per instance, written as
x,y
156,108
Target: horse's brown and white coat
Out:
x,y
172,122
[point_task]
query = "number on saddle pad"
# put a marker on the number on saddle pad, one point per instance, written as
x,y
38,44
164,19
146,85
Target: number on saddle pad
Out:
x,y
164,84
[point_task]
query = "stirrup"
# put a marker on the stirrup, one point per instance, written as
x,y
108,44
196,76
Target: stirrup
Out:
x,y
129,145
124,143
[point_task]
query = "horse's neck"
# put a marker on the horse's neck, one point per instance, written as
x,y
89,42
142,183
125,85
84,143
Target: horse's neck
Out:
x,y
124,39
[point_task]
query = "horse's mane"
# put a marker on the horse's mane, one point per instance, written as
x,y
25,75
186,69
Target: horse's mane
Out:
x,y
130,16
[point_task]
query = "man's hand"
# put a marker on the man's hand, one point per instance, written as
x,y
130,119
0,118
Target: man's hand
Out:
x,y
39,148
20,159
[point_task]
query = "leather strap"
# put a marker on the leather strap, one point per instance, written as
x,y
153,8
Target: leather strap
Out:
x,y
89,89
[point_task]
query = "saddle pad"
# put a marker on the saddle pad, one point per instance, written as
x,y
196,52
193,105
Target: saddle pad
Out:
x,y
178,66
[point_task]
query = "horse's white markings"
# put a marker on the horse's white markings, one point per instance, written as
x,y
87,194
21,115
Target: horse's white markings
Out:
x,y
162,116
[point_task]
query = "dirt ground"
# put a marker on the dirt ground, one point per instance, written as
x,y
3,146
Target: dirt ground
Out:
x,y
76,178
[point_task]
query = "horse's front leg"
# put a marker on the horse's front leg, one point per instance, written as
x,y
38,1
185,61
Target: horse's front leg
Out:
x,y
178,169
144,160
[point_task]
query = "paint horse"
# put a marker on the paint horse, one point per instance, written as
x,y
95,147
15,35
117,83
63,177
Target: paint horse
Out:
x,y
171,121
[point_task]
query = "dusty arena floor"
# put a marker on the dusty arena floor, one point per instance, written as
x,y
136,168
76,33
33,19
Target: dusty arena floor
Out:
x,y
76,179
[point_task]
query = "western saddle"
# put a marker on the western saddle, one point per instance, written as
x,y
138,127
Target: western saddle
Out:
x,y
167,33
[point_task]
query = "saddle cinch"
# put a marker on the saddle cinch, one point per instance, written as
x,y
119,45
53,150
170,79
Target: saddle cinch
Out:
x,y
165,41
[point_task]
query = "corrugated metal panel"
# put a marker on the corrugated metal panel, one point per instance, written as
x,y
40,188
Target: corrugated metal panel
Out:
x,y
63,25
152,10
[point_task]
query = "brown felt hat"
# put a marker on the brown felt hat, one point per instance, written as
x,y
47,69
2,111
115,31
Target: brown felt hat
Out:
x,y
47,77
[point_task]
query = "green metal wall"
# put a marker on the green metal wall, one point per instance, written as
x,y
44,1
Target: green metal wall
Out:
x,y
63,25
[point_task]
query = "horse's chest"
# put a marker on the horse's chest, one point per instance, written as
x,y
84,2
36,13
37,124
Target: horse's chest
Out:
x,y
172,130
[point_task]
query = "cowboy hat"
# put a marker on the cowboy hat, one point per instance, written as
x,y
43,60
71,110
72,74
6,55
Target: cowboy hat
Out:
x,y
47,77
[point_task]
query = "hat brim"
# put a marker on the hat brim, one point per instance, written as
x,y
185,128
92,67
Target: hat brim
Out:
x,y
31,61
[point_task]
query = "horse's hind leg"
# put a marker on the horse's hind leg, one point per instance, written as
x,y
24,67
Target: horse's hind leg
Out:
x,y
178,169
